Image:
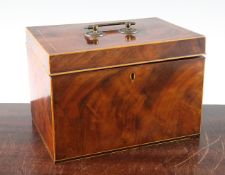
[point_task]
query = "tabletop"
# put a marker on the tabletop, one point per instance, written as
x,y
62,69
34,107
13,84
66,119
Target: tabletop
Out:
x,y
23,153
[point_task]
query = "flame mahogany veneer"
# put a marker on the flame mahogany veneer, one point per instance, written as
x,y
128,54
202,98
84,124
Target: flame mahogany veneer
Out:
x,y
90,98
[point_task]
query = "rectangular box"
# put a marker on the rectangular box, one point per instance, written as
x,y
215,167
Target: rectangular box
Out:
x,y
92,94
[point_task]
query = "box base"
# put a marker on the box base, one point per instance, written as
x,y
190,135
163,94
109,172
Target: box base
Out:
x,y
126,148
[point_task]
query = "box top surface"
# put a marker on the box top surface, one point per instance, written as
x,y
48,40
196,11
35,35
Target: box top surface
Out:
x,y
67,39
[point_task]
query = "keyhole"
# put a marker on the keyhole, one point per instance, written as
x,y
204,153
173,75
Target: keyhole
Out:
x,y
132,76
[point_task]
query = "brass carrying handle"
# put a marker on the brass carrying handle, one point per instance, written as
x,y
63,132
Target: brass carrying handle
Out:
x,y
94,32
128,24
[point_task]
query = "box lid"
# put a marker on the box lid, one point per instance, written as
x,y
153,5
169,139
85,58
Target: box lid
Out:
x,y
65,48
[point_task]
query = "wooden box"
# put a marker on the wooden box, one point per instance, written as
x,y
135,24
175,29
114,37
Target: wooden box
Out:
x,y
92,94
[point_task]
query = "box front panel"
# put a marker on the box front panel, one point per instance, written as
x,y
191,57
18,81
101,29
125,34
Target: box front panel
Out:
x,y
108,109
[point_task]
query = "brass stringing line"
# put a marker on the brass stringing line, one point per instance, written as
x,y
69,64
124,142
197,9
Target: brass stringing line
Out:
x,y
53,119
123,65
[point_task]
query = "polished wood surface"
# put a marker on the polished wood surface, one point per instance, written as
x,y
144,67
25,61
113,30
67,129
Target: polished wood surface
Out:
x,y
64,47
141,93
22,151
61,39
115,108
40,97
126,55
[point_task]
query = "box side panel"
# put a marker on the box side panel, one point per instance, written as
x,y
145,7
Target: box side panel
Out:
x,y
127,55
110,109
40,87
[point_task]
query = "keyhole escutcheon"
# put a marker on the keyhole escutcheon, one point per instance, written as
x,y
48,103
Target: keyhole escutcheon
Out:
x,y
132,76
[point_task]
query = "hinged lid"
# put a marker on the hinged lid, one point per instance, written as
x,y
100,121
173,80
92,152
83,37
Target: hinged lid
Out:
x,y
73,48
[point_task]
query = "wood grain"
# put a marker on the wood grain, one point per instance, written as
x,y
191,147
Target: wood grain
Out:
x,y
128,55
69,38
84,113
67,49
22,151
104,110
40,90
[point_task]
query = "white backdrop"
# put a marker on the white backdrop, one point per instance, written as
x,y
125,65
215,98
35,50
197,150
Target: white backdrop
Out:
x,y
203,16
